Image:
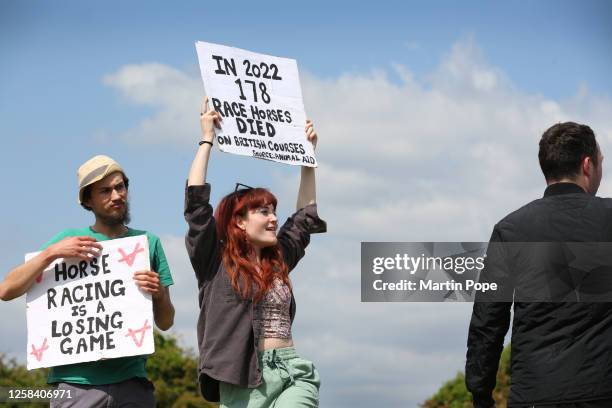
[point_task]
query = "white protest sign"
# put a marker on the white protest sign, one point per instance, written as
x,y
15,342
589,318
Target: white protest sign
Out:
x,y
259,98
81,311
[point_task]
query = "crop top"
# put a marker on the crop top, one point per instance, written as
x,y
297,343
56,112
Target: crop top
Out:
x,y
271,317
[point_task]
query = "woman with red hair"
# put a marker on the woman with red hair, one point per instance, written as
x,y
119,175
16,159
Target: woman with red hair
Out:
x,y
242,265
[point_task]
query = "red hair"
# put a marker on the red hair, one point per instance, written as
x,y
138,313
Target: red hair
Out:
x,y
246,280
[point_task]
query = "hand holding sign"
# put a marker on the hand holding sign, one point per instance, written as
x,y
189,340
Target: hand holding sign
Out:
x,y
311,135
148,281
209,120
83,248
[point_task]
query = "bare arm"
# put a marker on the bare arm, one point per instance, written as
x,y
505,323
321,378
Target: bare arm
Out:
x,y
20,279
209,119
307,193
163,310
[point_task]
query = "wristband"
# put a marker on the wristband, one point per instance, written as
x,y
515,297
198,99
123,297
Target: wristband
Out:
x,y
204,141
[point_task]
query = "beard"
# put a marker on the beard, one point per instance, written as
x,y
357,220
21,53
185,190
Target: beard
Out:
x,y
114,220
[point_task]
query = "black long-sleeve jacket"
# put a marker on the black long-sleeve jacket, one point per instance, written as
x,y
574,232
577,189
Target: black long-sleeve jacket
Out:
x,y
561,352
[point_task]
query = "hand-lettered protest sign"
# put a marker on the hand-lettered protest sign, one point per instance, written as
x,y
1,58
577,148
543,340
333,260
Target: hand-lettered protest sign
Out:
x,y
81,311
260,101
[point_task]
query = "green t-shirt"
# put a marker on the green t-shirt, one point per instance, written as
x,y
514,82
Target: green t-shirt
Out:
x,y
117,369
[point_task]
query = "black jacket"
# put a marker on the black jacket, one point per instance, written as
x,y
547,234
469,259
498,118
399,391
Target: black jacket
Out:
x,y
227,344
562,351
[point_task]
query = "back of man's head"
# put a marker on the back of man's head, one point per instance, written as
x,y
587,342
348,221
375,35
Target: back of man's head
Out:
x,y
563,147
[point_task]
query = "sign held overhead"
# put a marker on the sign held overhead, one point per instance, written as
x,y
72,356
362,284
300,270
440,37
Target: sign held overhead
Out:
x,y
259,98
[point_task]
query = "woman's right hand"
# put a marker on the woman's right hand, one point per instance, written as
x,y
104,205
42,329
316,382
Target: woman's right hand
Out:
x,y
209,120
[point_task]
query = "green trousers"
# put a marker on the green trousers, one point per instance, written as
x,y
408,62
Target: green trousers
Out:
x,y
288,382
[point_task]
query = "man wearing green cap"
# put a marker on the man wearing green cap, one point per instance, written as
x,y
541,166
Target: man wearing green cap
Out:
x,y
103,190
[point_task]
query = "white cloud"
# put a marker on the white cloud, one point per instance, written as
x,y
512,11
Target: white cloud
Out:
x,y
175,95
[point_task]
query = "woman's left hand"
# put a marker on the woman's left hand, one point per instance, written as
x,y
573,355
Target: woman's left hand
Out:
x,y
311,135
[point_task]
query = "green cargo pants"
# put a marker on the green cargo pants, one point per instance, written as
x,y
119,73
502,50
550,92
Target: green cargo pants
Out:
x,y
288,382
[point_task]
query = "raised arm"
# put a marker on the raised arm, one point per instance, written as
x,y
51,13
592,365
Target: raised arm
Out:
x,y
294,235
307,193
20,279
209,119
201,237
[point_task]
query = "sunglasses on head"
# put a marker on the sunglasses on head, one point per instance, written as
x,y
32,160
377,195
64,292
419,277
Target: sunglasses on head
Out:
x,y
242,187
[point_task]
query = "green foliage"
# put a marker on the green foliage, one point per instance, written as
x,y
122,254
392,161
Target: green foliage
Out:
x,y
16,376
13,374
454,394
174,372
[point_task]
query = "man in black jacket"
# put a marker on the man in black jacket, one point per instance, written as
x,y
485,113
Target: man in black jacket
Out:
x,y
561,351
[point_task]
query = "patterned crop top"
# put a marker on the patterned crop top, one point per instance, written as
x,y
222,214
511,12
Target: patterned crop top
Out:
x,y
271,317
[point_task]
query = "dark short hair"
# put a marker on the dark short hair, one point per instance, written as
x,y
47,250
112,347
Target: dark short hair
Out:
x,y
563,147
87,191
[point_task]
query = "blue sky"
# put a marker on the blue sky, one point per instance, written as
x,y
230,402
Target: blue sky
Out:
x,y
428,113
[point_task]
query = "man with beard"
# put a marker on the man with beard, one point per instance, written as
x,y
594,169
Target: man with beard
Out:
x,y
103,190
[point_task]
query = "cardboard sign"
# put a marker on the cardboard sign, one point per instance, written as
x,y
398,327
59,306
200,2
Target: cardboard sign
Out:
x,y
259,98
81,311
